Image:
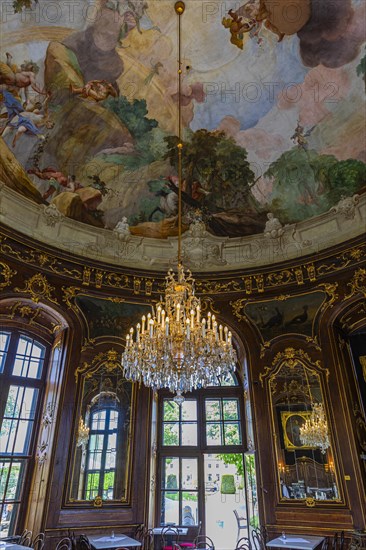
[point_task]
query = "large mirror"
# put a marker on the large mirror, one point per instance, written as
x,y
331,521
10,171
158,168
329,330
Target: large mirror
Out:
x,y
305,462
102,444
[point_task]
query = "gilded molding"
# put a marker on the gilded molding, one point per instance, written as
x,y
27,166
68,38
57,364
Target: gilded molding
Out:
x,y
98,502
88,343
330,289
70,292
6,274
310,502
358,283
25,311
362,359
237,307
209,305
39,289
291,357
109,360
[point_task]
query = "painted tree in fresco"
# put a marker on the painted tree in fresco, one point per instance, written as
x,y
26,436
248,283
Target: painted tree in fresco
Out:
x,y
214,163
361,69
306,184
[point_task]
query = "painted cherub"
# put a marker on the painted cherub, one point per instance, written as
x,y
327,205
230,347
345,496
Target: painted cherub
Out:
x,y
249,19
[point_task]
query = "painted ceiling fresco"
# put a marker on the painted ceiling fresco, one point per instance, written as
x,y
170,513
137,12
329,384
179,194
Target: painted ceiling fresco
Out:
x,y
273,110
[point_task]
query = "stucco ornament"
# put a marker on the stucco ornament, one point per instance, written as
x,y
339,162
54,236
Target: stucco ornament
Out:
x,y
346,206
273,228
122,230
52,215
200,248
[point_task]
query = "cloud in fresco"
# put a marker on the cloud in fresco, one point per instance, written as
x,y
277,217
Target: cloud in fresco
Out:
x,y
316,97
253,138
333,35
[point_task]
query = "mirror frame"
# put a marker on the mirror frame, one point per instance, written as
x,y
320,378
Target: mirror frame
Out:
x,y
109,362
292,357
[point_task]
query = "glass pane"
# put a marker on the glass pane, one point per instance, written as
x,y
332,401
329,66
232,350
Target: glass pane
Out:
x,y
228,380
189,409
110,461
169,507
112,442
15,436
171,473
230,407
189,508
189,473
92,485
29,358
8,519
98,420
213,409
113,420
171,410
213,434
96,442
189,434
4,345
171,434
95,461
21,403
108,484
232,434
11,476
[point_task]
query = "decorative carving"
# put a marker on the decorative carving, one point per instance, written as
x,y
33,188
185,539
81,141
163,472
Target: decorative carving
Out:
x,y
358,283
314,342
291,357
52,215
98,502
122,230
42,456
273,228
207,304
6,275
48,413
86,276
264,348
346,206
310,502
39,289
238,308
311,272
25,311
69,294
199,248
330,289
109,360
88,343
99,278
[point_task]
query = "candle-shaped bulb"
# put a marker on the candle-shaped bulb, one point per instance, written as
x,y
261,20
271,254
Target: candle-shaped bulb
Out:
x,y
209,320
198,313
167,326
178,312
220,329
192,319
143,324
225,331
159,312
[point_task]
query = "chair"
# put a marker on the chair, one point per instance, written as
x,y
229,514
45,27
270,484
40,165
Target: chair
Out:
x,y
325,545
341,541
25,538
84,543
169,537
258,540
187,544
147,540
243,544
139,532
38,542
335,541
64,544
241,523
204,542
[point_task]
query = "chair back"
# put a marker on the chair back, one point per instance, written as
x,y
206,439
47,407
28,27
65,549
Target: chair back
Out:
x,y
139,532
169,536
25,538
38,541
84,543
64,544
243,544
341,541
257,538
147,541
205,542
240,519
325,545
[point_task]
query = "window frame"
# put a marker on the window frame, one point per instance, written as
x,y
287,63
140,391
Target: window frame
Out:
x,y
201,449
7,380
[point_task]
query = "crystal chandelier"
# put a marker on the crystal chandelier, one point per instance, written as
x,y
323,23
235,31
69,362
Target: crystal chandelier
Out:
x,y
314,432
174,347
83,435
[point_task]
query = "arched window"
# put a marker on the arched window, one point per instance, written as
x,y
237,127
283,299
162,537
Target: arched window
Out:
x,y
101,457
201,446
22,375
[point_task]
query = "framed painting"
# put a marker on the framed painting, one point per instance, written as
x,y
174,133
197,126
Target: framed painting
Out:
x,y
291,424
